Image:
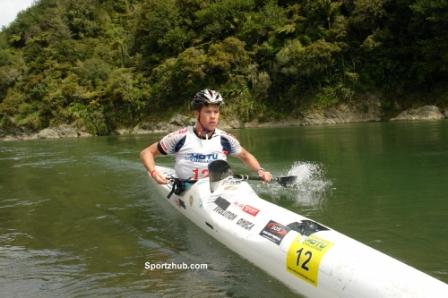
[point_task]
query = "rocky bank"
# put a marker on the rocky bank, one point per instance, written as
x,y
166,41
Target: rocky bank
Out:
x,y
369,111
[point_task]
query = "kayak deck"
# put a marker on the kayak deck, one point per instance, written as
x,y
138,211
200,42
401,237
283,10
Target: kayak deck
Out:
x,y
305,255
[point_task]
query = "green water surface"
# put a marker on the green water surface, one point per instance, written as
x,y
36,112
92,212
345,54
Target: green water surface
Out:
x,y
79,218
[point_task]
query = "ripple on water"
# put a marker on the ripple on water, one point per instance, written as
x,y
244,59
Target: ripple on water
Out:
x,y
20,202
34,272
44,163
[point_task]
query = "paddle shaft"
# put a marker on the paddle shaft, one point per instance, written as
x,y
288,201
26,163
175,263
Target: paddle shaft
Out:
x,y
284,181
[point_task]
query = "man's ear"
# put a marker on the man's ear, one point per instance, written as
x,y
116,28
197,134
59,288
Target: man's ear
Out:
x,y
196,113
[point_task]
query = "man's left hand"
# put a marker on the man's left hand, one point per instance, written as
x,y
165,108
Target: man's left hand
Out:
x,y
264,175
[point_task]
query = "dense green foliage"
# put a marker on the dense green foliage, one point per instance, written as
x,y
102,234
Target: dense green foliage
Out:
x,y
104,64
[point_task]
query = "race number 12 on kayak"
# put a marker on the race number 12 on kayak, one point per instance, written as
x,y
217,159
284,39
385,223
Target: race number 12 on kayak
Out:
x,y
304,256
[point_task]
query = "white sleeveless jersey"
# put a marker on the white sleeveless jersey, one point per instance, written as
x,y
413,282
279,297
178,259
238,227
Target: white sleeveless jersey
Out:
x,y
193,154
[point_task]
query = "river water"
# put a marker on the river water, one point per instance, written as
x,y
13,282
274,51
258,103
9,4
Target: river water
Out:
x,y
78,217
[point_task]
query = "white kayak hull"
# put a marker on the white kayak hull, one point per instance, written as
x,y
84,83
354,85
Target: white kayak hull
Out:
x,y
309,258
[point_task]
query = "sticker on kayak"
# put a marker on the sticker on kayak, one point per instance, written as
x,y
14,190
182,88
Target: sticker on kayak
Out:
x,y
304,256
274,232
225,213
223,203
245,224
247,208
181,204
250,210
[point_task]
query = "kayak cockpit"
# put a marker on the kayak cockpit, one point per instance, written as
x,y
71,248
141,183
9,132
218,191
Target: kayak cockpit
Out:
x,y
218,171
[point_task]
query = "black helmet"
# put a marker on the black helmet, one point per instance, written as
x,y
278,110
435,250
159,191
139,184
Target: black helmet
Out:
x,y
205,97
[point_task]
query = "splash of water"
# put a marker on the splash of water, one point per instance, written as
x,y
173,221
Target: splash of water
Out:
x,y
310,188
310,177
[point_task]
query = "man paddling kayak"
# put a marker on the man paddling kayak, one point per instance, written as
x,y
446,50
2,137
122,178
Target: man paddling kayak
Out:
x,y
194,147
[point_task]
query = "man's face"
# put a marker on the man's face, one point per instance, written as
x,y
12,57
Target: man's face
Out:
x,y
209,116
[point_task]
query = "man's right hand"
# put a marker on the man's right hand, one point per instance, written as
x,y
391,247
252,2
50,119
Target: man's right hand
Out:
x,y
159,178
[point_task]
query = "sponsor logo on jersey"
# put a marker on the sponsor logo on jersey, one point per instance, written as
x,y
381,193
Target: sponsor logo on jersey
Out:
x,y
202,158
182,131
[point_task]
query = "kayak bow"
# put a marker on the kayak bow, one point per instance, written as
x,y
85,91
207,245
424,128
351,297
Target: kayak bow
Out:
x,y
306,256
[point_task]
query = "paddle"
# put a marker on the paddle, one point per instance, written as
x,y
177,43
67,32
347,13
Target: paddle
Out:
x,y
284,181
220,169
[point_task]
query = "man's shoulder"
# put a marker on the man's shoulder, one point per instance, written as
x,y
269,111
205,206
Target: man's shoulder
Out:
x,y
225,134
181,132
173,141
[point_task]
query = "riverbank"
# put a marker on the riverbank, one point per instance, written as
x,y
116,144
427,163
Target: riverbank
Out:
x,y
369,111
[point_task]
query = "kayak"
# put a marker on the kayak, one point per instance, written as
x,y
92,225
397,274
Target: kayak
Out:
x,y
308,257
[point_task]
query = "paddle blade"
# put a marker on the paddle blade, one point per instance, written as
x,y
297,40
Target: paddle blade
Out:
x,y
286,180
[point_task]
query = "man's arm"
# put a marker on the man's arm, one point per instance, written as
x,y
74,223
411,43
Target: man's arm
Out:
x,y
147,156
254,165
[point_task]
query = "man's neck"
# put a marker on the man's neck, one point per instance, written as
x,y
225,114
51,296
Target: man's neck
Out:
x,y
202,133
